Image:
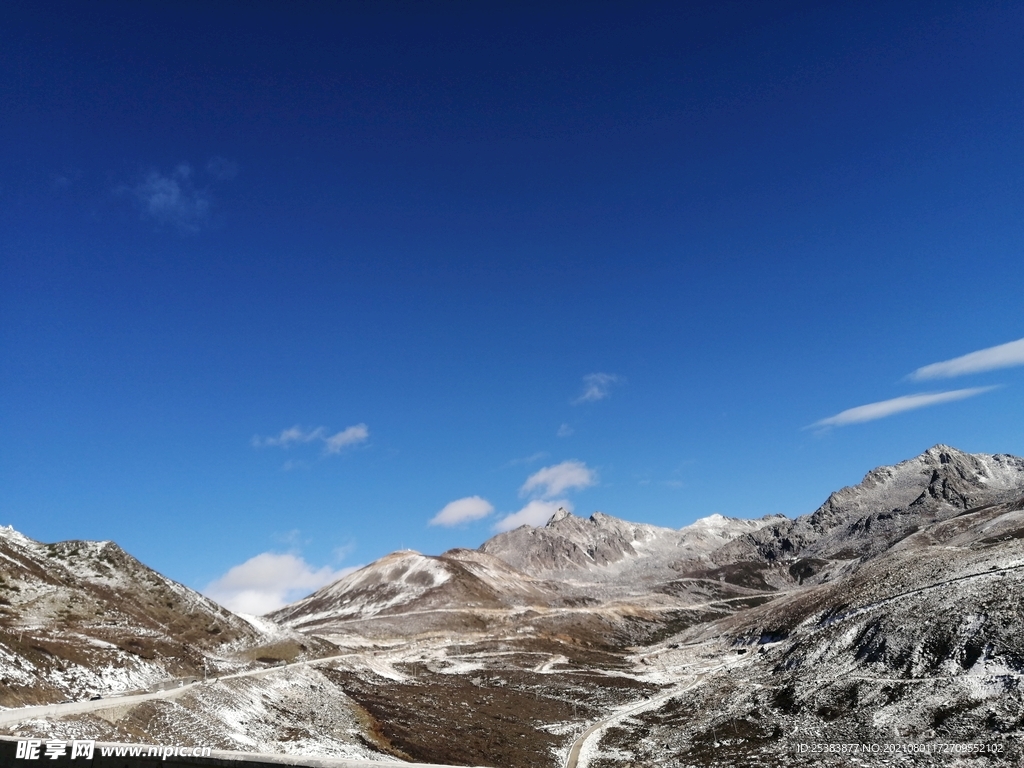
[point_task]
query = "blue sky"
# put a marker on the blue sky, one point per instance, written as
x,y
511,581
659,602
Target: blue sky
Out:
x,y
285,287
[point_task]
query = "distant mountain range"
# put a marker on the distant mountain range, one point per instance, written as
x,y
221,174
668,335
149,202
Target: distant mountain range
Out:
x,y
892,612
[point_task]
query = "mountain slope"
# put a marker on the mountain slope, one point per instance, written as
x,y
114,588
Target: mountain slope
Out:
x,y
637,581
408,593
888,504
600,579
917,645
78,617
889,615
579,548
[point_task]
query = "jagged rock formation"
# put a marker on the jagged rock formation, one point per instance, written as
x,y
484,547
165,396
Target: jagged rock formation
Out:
x,y
570,545
890,503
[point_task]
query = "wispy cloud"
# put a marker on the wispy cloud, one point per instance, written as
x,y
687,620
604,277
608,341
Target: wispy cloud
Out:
x,y
1003,356
564,431
536,513
559,478
597,386
297,435
289,437
462,511
173,199
885,408
348,436
269,581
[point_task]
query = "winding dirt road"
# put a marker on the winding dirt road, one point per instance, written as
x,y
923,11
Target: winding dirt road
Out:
x,y
18,714
653,702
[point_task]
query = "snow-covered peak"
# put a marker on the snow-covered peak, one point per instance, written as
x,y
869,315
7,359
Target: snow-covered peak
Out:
x,y
993,469
396,579
406,567
893,501
561,514
1000,470
8,532
713,521
724,528
944,471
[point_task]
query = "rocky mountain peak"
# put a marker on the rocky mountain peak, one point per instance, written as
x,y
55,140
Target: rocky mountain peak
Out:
x,y
714,520
893,501
8,532
941,449
725,526
568,542
976,467
559,515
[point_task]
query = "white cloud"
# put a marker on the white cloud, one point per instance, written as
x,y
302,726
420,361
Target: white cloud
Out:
x,y
596,386
269,581
536,513
462,511
289,436
1003,356
297,435
546,484
880,410
564,431
173,199
558,478
349,436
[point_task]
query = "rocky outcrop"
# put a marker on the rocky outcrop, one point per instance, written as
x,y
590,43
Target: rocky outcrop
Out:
x,y
889,504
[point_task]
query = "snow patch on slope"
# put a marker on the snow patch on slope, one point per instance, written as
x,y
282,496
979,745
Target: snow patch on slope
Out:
x,y
394,580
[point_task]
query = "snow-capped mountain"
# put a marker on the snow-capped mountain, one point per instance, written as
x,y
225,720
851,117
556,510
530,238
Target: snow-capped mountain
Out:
x,y
419,588
551,579
889,615
888,504
577,547
890,611
717,563
916,646
85,617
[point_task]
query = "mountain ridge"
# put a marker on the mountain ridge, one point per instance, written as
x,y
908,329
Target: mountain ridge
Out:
x,y
892,501
84,617
855,521
889,612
